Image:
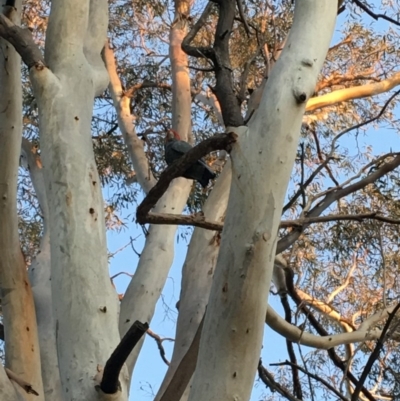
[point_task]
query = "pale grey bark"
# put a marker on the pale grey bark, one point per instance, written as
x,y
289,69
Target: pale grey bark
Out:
x,y
126,124
262,161
156,258
40,278
85,305
197,275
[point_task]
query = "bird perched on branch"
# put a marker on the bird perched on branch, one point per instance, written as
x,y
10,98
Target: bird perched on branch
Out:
x,y
175,148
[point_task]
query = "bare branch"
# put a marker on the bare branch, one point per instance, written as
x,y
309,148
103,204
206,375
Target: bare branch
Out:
x,y
203,52
219,56
374,15
217,142
144,85
334,195
23,43
338,217
196,220
374,355
159,342
315,377
243,17
110,383
268,379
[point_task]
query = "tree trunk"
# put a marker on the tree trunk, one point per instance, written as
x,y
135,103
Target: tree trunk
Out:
x,y
85,305
156,258
21,345
262,161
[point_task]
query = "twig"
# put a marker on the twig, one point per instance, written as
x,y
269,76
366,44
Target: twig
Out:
x,y
337,217
22,383
374,15
110,383
374,354
315,377
159,342
330,156
267,378
217,142
243,17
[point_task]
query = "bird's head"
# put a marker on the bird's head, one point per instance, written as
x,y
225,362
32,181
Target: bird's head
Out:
x,y
171,135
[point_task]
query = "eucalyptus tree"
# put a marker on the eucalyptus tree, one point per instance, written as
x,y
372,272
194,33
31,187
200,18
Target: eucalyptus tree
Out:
x,y
263,74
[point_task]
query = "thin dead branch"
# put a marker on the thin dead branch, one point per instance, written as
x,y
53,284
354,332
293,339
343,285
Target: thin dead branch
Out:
x,y
160,346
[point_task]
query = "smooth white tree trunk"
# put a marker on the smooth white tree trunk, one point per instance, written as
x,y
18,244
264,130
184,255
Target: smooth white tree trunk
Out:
x,y
197,275
262,162
85,305
157,256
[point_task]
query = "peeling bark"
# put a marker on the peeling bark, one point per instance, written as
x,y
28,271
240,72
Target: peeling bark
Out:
x,y
20,330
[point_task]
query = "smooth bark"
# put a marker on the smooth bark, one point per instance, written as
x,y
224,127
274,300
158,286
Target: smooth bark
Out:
x,y
197,275
86,306
156,258
261,165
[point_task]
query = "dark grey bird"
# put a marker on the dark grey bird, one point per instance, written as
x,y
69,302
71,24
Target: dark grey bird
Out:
x,y
175,148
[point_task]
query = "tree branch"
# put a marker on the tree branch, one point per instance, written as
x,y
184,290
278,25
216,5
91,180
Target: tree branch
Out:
x,y
374,355
374,15
110,383
159,342
219,56
335,194
338,217
23,43
217,142
196,220
315,377
203,52
268,379
185,369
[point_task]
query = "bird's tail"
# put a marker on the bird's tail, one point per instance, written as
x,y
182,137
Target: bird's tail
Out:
x,y
207,176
